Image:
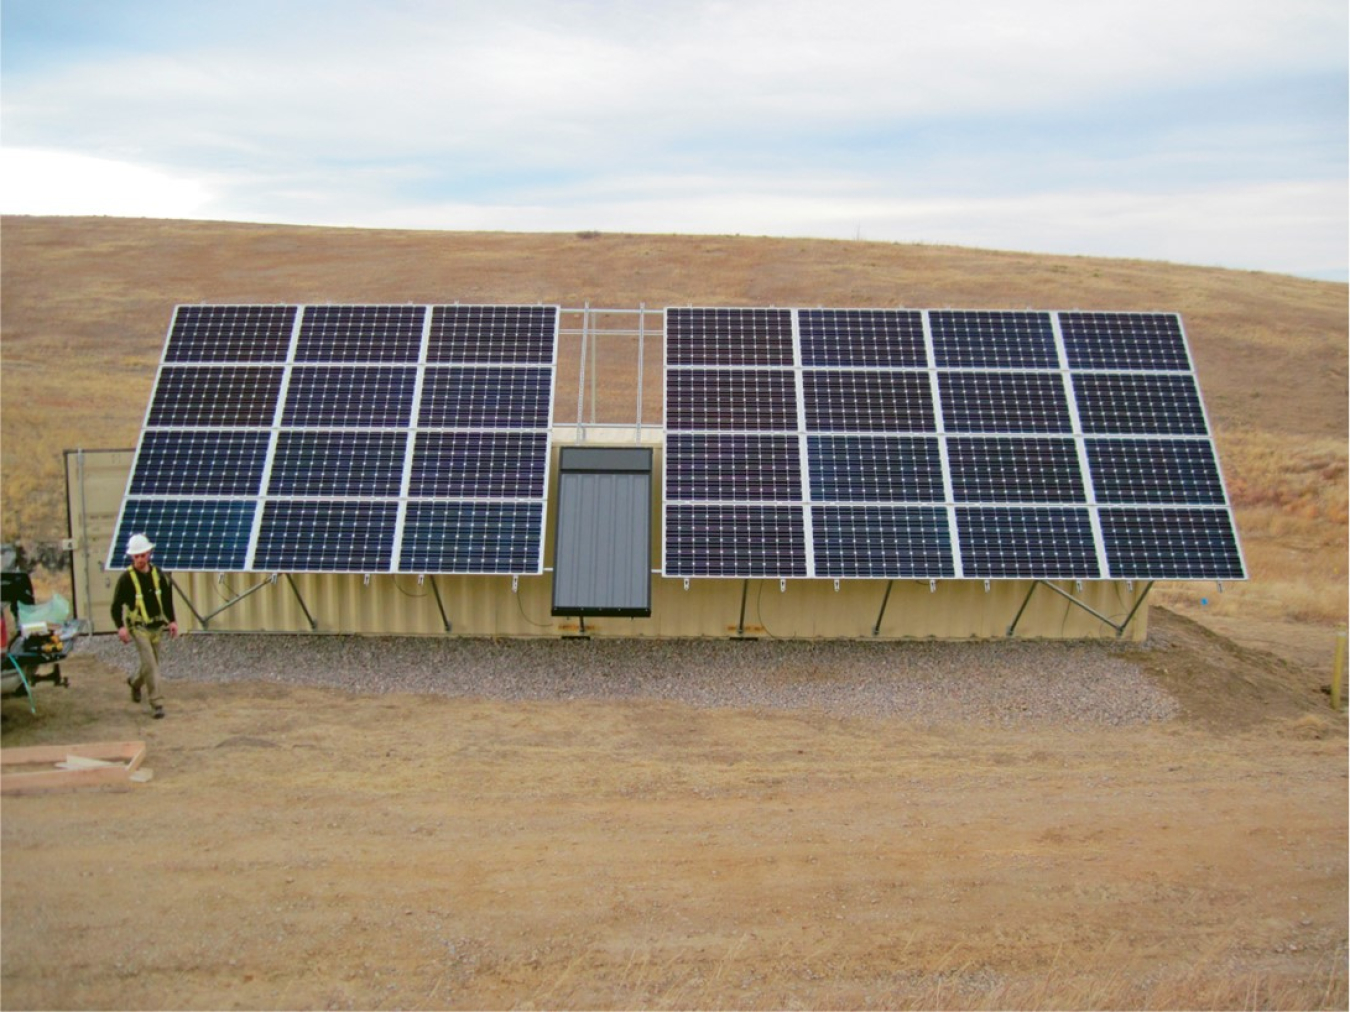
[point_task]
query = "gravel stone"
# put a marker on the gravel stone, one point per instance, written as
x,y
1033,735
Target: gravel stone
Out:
x,y
930,682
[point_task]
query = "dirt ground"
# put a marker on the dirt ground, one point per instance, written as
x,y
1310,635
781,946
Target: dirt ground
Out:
x,y
304,848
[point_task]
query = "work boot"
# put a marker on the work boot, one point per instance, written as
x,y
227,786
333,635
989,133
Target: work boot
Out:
x,y
135,691
159,713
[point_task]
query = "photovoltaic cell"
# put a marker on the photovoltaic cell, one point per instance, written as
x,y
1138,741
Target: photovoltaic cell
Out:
x,y
302,438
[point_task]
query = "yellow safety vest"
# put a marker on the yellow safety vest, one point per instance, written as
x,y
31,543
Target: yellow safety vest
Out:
x,y
140,596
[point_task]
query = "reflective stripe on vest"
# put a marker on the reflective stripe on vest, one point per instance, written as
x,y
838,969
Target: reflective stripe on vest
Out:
x,y
140,596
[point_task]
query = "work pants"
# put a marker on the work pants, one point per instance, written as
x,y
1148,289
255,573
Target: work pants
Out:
x,y
147,645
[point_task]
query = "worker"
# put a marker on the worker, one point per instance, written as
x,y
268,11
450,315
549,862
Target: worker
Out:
x,y
142,610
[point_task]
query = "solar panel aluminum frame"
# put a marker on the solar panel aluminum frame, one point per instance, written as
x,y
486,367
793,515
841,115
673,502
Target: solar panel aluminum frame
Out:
x,y
1070,429
284,355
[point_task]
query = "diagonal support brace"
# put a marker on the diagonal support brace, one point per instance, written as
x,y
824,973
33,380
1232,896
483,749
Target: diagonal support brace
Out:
x,y
1119,627
312,624
445,619
876,628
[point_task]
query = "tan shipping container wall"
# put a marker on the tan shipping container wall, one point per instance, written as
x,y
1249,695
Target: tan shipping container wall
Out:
x,y
95,483
385,604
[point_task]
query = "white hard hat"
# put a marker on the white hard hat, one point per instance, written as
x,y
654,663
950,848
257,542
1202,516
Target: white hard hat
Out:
x,y
139,545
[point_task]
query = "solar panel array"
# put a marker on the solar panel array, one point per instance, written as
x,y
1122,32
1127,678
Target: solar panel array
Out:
x,y
359,439
939,444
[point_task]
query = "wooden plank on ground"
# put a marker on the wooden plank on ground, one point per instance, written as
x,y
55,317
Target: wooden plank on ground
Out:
x,y
35,768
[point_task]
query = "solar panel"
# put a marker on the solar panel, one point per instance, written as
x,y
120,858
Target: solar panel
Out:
x,y
442,536
1013,469
939,443
486,397
740,337
882,541
731,399
875,468
479,465
991,340
230,334
735,540
1124,341
489,335
1026,542
1140,404
202,534
1171,544
1155,471
360,334
1004,402
871,401
862,337
347,439
735,467
328,396
213,462
215,396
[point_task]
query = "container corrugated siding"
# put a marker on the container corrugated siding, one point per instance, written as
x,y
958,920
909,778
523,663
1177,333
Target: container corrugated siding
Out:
x,y
487,606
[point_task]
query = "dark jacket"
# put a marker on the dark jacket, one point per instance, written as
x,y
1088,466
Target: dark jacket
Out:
x,y
124,610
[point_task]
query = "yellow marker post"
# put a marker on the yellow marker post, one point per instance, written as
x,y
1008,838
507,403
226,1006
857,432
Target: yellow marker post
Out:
x,y
1338,676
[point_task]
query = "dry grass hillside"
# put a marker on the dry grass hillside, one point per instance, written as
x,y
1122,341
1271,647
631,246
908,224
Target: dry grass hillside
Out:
x,y
346,844
87,301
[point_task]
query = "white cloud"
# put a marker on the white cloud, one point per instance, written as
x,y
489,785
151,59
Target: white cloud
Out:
x,y
59,182
900,119
1292,228
551,78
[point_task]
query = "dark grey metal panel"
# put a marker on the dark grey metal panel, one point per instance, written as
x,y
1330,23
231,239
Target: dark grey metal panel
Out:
x,y
606,458
602,560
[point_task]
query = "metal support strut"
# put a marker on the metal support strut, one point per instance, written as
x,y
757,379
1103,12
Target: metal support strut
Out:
x,y
1118,627
291,580
445,619
205,619
876,629
745,592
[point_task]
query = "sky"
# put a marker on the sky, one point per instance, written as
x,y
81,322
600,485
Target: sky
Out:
x,y
1209,132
